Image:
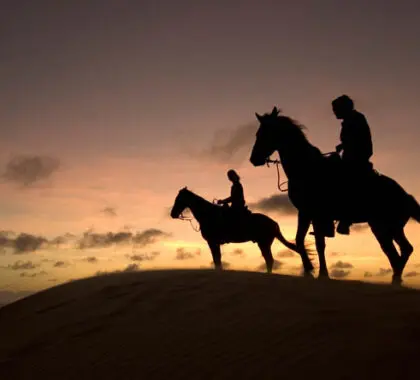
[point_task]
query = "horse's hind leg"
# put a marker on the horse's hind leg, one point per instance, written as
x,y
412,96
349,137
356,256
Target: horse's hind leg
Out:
x,y
406,248
385,240
217,255
267,254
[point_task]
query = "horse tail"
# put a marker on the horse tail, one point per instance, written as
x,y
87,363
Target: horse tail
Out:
x,y
414,208
283,240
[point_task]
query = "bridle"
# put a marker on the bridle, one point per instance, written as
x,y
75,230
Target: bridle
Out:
x,y
277,163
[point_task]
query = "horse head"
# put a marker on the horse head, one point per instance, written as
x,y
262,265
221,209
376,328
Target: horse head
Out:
x,y
181,203
276,131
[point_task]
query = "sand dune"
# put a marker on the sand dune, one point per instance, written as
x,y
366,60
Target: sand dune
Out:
x,y
199,324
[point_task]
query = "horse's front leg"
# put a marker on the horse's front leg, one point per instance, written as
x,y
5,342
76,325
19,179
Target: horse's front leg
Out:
x,y
217,255
320,247
304,223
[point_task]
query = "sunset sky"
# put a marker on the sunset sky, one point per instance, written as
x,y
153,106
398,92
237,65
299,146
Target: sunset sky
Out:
x,y
108,108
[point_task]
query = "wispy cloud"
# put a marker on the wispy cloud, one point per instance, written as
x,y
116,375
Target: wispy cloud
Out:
x,y
233,143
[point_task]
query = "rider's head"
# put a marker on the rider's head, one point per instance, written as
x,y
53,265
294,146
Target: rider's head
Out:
x,y
342,106
233,176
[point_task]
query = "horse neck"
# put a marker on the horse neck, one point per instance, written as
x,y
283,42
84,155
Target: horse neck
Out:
x,y
299,159
199,207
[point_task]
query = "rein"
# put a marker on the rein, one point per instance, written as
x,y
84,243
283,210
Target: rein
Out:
x,y
184,218
277,163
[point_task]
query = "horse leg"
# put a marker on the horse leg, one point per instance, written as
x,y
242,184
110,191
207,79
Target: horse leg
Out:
x,y
217,255
304,223
267,254
320,247
385,240
406,248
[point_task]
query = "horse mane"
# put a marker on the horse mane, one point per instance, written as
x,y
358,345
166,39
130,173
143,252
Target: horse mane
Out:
x,y
200,198
295,129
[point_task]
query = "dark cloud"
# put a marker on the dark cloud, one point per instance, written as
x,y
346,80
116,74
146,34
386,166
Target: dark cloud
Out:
x,y
149,237
144,256
342,265
26,170
60,264
32,275
102,240
339,273
368,274
109,211
26,243
276,265
183,254
412,274
22,265
279,203
131,268
233,143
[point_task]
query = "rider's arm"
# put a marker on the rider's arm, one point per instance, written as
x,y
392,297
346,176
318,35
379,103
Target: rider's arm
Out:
x,y
226,200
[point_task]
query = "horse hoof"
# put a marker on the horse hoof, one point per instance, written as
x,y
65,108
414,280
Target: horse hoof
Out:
x,y
397,279
324,274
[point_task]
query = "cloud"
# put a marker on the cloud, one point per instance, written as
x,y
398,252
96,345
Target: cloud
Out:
x,y
60,264
336,254
22,265
342,265
25,243
182,254
32,275
368,274
62,239
91,259
109,211
383,272
339,273
276,265
129,268
279,203
360,227
236,143
286,253
238,252
412,274
144,256
102,240
26,170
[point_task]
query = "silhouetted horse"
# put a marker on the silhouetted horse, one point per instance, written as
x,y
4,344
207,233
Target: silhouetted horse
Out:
x,y
314,189
220,226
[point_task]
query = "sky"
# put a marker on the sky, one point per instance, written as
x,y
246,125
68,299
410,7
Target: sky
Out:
x,y
108,108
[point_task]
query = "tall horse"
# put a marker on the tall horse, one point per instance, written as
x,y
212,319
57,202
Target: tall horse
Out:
x,y
219,226
315,189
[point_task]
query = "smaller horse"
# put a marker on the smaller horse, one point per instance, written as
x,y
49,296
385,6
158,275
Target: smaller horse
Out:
x,y
219,225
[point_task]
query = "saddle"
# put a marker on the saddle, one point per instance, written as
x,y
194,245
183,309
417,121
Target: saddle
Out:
x,y
349,191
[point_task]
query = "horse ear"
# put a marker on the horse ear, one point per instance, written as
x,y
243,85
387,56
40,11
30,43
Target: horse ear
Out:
x,y
259,117
275,111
